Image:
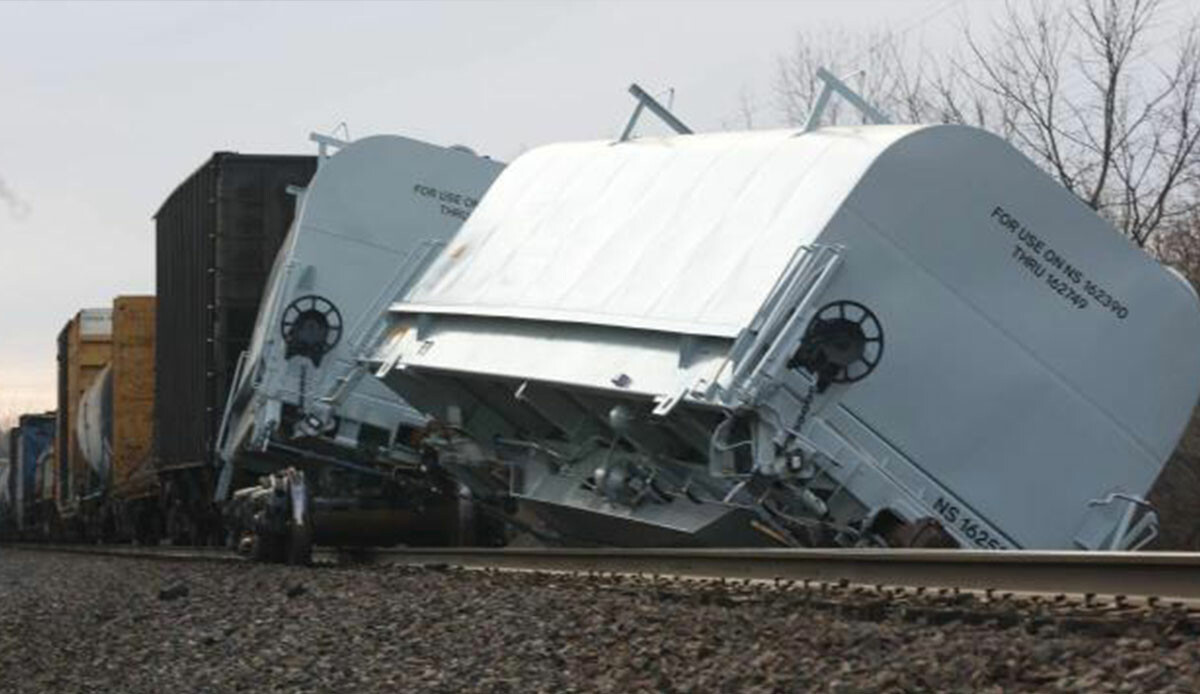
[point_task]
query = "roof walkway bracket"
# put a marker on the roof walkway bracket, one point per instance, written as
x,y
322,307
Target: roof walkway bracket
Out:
x,y
833,84
646,101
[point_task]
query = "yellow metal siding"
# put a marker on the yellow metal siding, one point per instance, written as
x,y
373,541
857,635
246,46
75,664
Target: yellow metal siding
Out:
x,y
133,397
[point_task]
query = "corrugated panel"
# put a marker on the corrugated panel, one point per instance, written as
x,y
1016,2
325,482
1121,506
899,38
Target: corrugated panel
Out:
x,y
217,236
183,259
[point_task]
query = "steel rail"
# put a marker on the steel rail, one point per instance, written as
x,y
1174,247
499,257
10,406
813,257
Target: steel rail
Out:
x,y
158,553
1145,574
1168,575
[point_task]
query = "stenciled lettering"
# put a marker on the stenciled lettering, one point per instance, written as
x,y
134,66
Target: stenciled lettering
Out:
x,y
1042,261
975,531
450,203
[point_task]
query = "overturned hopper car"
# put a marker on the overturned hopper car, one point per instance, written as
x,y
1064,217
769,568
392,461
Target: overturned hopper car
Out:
x,y
875,335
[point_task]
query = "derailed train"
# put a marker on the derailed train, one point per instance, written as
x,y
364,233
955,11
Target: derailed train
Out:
x,y
876,335
143,385
137,466
881,335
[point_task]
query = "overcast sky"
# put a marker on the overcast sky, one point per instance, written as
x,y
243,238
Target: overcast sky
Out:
x,y
106,107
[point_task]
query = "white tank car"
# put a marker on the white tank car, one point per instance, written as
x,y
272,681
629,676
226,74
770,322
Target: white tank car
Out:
x,y
373,215
900,335
94,426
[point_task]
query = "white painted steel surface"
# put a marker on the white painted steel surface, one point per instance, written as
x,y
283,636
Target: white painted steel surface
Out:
x,y
1035,360
683,234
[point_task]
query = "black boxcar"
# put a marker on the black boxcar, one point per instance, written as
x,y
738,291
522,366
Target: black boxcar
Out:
x,y
216,238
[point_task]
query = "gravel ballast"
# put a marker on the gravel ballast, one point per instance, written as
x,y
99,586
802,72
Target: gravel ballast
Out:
x,y
83,623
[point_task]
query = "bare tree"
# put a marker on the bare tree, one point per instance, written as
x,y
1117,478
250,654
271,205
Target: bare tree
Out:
x,y
1088,104
880,66
1179,246
747,112
1074,86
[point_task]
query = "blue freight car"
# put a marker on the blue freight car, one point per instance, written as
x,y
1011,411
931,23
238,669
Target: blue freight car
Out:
x,y
33,436
5,492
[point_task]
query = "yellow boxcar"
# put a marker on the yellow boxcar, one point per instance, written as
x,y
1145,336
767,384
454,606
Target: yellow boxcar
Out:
x,y
133,472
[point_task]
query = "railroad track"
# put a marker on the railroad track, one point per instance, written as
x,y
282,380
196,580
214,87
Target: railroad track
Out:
x,y
1166,575
217,554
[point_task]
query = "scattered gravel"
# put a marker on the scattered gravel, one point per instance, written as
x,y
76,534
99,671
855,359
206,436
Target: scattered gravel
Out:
x,y
78,623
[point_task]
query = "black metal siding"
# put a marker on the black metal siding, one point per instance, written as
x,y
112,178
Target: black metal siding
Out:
x,y
217,236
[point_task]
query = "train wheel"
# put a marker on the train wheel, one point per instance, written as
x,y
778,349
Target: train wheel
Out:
x,y
195,535
269,548
180,526
146,525
299,545
107,532
299,524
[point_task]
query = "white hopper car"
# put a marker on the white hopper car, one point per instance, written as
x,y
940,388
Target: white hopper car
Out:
x,y
372,217
896,335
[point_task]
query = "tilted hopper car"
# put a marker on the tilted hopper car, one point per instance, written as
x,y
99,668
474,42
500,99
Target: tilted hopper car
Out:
x,y
876,335
369,221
